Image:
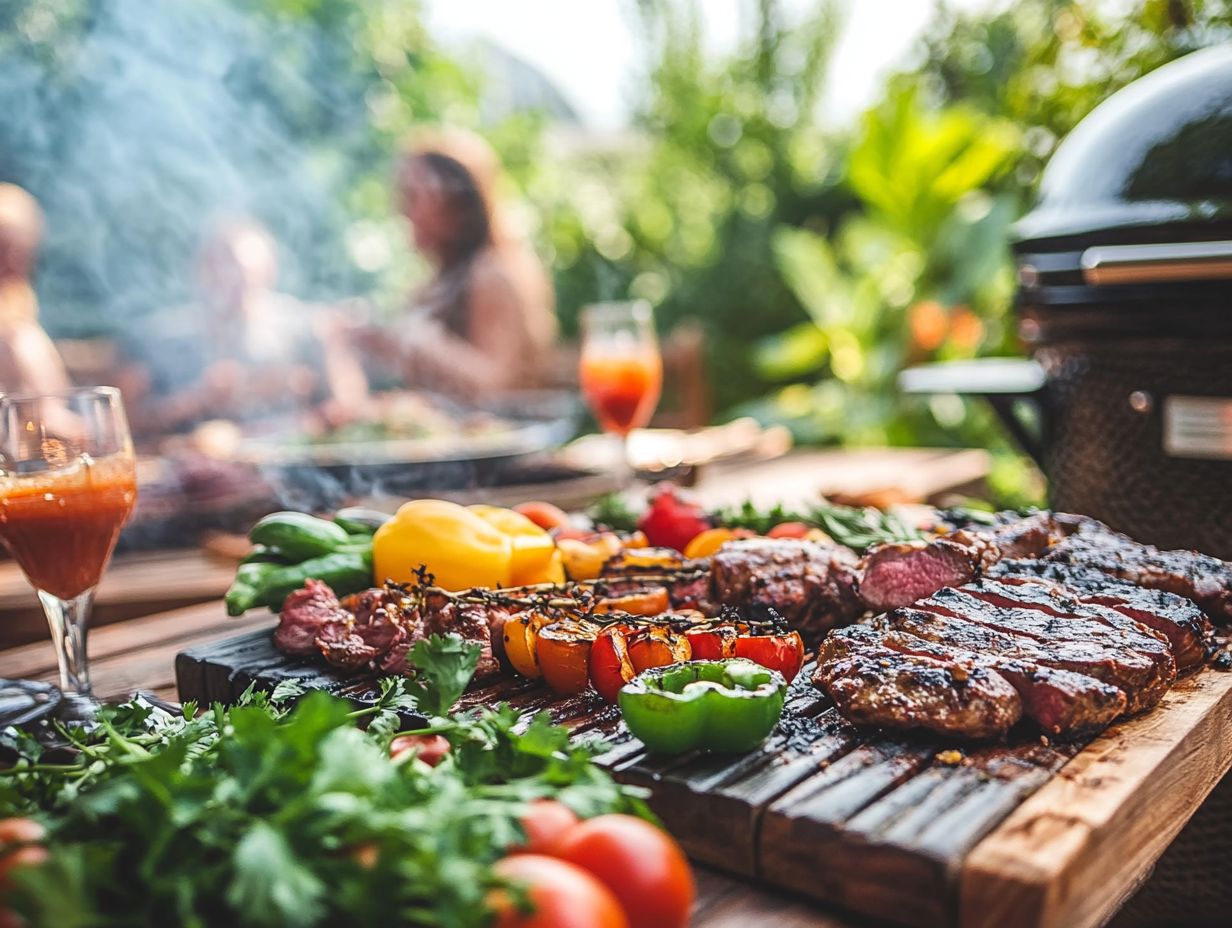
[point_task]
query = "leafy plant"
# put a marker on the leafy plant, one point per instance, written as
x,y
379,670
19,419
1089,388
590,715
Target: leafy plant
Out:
x,y
271,814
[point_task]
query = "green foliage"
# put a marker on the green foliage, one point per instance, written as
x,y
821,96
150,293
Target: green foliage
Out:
x,y
733,150
266,814
921,273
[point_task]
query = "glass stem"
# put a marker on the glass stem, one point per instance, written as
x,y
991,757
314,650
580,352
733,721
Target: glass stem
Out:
x,y
69,619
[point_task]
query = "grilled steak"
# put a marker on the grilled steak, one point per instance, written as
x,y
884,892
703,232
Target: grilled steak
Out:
x,y
1136,675
874,685
896,575
1184,625
1205,580
809,584
1132,645
1061,703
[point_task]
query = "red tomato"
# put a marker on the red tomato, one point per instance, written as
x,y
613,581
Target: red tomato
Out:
x,y
22,834
610,665
545,821
788,530
712,644
545,515
563,896
431,749
672,520
643,867
784,653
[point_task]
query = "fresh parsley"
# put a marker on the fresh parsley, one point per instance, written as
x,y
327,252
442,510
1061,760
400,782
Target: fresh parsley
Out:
x,y
281,810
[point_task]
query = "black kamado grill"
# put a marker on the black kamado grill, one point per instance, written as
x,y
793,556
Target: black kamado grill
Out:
x,y
1125,297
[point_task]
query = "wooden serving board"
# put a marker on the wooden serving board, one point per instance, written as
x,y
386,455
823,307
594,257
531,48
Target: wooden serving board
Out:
x,y
889,827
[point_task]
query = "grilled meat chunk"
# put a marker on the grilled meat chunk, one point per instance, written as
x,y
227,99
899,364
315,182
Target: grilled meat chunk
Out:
x,y
894,575
307,613
1205,580
1178,619
809,584
1136,675
874,685
1061,703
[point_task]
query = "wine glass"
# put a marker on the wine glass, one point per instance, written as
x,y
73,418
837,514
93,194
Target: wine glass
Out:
x,y
68,482
621,370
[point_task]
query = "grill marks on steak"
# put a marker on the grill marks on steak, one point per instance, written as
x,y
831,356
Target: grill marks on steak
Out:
x,y
1178,619
896,575
811,585
1205,580
1134,659
872,684
1058,702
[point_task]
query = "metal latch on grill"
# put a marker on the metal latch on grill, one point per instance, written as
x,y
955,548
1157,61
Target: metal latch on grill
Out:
x,y
1198,427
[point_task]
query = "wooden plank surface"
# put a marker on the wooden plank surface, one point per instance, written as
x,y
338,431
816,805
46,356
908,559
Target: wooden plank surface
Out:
x,y
134,585
1079,847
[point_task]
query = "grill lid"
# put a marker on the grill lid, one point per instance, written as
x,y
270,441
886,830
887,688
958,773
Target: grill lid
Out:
x,y
1135,208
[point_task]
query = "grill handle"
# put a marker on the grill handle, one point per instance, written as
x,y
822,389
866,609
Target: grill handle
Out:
x,y
1163,263
1013,387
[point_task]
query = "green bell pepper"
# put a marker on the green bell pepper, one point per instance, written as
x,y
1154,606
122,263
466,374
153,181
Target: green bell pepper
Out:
x,y
727,706
269,584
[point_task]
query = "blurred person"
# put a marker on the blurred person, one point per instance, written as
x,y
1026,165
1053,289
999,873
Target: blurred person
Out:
x,y
29,361
485,321
244,351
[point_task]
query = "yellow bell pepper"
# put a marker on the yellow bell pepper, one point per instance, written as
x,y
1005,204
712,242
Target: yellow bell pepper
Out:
x,y
709,541
535,558
458,547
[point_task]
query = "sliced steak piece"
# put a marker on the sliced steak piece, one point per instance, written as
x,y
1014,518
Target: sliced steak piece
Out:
x,y
1178,619
896,575
1134,674
1205,580
1116,633
810,584
873,685
308,612
1061,703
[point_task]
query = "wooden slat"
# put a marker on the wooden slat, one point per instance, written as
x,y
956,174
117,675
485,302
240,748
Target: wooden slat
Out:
x,y
1072,853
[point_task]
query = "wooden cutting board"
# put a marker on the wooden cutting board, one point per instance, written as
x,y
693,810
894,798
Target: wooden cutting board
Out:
x,y
896,828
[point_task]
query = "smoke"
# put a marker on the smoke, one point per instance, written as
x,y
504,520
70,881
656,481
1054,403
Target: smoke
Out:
x,y
135,123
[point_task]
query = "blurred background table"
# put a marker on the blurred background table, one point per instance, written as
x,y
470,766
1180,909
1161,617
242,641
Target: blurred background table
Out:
x,y
141,584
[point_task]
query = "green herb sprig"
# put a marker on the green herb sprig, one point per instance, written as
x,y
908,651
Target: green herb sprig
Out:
x,y
277,812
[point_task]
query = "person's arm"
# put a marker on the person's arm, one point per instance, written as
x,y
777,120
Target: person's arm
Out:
x,y
40,367
491,358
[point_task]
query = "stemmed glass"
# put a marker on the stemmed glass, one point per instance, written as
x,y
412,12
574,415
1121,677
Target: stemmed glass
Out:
x,y
68,482
621,370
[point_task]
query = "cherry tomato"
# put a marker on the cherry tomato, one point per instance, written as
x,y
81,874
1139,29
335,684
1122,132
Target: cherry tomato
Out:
x,y
562,895
643,867
431,749
641,602
781,652
610,664
672,520
545,822
21,834
709,541
788,530
563,652
715,643
545,515
657,646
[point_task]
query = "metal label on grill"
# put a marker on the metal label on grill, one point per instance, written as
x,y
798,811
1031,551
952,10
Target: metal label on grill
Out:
x,y
1198,427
